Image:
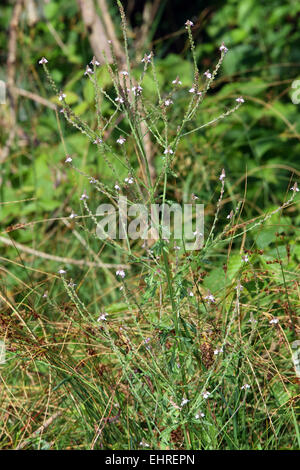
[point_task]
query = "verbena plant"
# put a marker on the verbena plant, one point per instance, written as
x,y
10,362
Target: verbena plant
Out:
x,y
172,365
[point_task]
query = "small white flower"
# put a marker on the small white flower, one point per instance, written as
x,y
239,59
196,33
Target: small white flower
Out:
x,y
61,271
88,70
120,273
102,317
121,140
168,102
137,90
210,298
207,74
84,196
144,444
93,181
98,141
205,395
189,23
43,61
223,175
117,187
191,294
147,58
176,81
274,321
129,180
240,100
124,73
94,61
73,215
239,287
245,258
198,234
295,188
119,100
71,284
230,215
245,386
192,90
223,48
199,415
68,159
184,401
218,351
168,150
62,96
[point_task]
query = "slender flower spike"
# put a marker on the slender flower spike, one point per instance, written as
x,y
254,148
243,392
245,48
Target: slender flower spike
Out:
x,y
102,317
62,271
168,150
62,96
199,415
119,100
223,175
176,81
189,23
223,48
205,395
120,273
68,159
168,102
240,99
124,73
43,61
274,321
207,74
88,70
94,61
84,196
121,140
98,141
295,188
245,386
